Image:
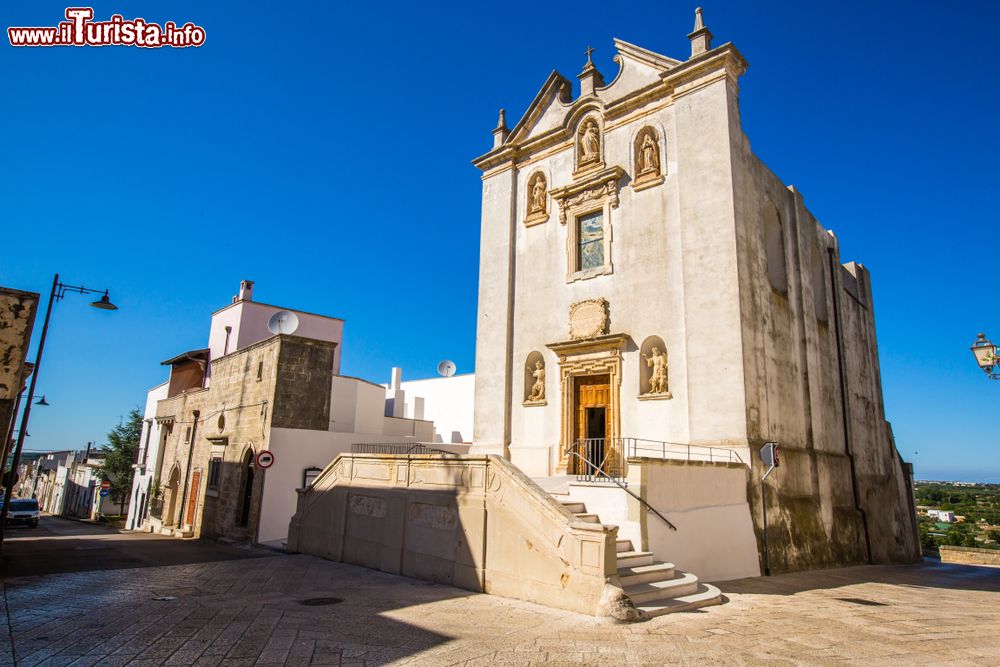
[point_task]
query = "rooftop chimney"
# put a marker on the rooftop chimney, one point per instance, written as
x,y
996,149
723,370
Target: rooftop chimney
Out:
x,y
246,290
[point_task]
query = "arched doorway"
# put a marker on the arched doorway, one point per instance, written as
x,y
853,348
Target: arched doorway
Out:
x,y
173,486
243,520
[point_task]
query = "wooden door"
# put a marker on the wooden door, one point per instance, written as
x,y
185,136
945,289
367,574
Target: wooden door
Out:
x,y
193,496
593,396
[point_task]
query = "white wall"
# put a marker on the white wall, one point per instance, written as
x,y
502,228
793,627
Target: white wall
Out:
x,y
708,505
446,401
295,450
150,442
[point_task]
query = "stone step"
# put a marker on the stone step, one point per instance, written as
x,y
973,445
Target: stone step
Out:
x,y
706,596
682,583
658,571
574,506
634,558
588,518
623,545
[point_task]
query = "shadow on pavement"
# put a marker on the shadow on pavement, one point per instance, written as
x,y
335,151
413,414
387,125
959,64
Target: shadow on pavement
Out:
x,y
929,574
61,545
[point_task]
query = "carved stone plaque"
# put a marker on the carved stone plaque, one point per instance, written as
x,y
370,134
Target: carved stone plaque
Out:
x,y
588,318
368,506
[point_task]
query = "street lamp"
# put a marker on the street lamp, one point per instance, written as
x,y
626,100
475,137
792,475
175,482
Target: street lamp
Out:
x,y
59,291
42,401
986,355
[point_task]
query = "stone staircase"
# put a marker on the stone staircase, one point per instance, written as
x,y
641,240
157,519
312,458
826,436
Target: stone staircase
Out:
x,y
655,587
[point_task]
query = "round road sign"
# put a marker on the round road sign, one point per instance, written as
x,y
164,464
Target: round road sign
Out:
x,y
105,493
265,459
105,485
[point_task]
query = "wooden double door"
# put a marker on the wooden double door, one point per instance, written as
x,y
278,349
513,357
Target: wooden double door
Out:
x,y
593,410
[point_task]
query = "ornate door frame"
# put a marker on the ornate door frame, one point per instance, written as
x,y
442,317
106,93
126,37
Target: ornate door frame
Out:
x,y
600,355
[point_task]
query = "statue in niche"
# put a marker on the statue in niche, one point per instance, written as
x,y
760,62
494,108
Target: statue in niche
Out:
x,y
538,388
537,205
657,360
649,156
590,142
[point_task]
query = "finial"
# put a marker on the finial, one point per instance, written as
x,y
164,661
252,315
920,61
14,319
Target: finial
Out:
x,y
590,63
701,37
500,132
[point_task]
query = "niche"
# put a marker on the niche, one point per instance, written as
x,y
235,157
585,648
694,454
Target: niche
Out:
x,y
653,370
534,379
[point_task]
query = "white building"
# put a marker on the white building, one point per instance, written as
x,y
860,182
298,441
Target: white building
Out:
x,y
252,390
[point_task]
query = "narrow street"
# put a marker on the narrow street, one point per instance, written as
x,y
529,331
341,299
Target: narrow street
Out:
x,y
64,545
79,594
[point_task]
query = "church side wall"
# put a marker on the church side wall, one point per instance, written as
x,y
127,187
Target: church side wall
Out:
x,y
496,269
790,345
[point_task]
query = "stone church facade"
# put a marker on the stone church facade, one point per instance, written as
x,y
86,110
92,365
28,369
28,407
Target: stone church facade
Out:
x,y
643,275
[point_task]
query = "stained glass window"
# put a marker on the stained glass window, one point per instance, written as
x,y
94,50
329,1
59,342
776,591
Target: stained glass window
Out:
x,y
590,240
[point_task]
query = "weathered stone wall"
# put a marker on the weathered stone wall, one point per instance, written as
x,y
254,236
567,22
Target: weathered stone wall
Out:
x,y
841,491
969,555
302,392
250,389
474,522
17,317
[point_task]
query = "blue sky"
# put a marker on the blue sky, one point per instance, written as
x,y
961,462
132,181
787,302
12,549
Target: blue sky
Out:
x,y
323,150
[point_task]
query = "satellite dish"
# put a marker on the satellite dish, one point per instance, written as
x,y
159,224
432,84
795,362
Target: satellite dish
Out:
x,y
283,322
446,368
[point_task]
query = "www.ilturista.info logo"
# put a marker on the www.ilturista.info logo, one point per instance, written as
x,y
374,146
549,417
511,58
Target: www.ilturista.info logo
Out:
x,y
81,30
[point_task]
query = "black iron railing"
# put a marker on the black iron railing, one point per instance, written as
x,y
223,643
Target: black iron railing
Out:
x,y
599,474
599,460
396,448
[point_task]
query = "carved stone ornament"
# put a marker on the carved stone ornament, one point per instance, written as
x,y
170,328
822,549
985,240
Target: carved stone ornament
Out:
x,y
646,150
596,187
589,143
588,319
538,207
537,394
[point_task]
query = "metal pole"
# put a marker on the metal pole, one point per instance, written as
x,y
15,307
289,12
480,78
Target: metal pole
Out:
x,y
763,507
27,409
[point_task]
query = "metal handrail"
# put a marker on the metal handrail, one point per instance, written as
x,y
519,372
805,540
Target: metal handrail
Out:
x,y
710,453
397,448
649,508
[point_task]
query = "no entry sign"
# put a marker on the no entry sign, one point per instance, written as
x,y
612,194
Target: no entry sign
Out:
x,y
105,485
265,459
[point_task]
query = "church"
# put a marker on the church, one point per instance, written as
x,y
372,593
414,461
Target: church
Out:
x,y
656,309
649,288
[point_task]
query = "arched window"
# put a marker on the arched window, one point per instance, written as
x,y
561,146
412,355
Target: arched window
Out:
x,y
653,369
819,284
534,379
774,245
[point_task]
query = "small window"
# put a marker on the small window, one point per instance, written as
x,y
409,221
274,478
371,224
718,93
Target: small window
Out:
x,y
187,434
214,473
260,371
309,476
590,241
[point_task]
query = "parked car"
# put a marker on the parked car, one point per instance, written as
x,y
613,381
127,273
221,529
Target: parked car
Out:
x,y
23,511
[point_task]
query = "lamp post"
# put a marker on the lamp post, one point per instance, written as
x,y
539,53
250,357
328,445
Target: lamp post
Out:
x,y
986,356
59,291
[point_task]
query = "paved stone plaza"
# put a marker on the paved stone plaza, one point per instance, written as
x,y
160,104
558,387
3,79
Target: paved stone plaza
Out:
x,y
243,607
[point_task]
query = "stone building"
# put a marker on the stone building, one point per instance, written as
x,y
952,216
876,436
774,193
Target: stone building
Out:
x,y
251,391
647,285
17,318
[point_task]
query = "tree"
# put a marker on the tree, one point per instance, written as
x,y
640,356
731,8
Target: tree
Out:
x,y
120,454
